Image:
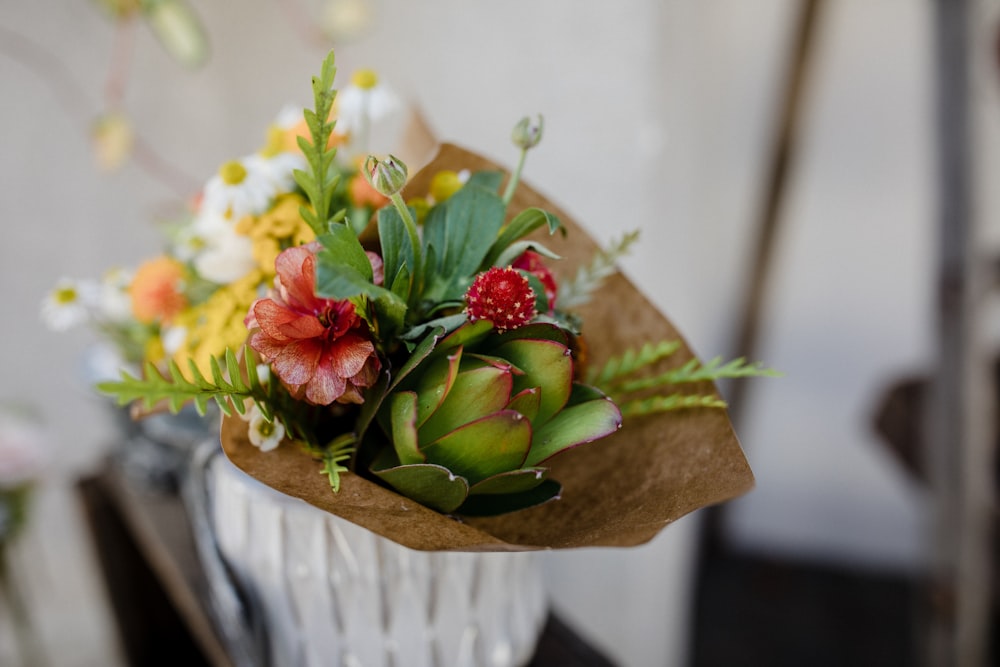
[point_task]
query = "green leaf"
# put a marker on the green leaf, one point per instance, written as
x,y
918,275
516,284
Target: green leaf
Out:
x,y
493,444
321,182
403,408
338,451
448,323
461,231
177,391
342,248
527,402
630,361
434,384
430,485
514,481
546,365
515,250
493,505
397,250
521,225
574,425
488,180
670,402
474,393
588,279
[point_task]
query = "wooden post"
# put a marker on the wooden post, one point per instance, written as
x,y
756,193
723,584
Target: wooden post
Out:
x,y
960,420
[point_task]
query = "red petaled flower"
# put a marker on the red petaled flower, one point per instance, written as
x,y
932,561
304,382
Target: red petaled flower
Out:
x,y
502,296
319,348
531,262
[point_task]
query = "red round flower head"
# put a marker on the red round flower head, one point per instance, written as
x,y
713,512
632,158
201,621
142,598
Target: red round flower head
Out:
x,y
532,262
502,296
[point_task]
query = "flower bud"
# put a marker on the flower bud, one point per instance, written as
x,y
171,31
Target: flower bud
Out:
x,y
387,176
526,133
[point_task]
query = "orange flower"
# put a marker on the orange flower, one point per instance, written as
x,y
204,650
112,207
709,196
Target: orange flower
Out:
x,y
363,194
156,290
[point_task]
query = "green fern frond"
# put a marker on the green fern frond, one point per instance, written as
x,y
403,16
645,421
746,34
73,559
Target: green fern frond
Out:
x,y
655,404
176,390
338,451
631,361
638,393
588,279
695,371
320,182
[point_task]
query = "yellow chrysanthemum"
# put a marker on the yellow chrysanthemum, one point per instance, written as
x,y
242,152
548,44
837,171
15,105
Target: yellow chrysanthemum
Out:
x,y
280,227
217,323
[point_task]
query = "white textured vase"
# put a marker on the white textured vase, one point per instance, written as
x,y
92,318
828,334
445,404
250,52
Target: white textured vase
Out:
x,y
332,593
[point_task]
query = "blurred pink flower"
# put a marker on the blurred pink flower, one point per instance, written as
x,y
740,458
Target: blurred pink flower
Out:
x,y
319,348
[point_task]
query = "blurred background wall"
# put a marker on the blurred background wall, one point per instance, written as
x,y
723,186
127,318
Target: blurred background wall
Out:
x,y
657,116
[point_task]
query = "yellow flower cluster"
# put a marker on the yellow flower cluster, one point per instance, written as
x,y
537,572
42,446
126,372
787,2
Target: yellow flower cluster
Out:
x,y
280,227
217,323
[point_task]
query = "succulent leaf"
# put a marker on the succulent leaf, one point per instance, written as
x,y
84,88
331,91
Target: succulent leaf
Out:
x,y
404,428
434,384
480,449
527,401
428,484
476,392
546,365
514,481
574,425
493,504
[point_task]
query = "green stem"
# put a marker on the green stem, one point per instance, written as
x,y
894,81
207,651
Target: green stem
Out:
x,y
411,229
515,178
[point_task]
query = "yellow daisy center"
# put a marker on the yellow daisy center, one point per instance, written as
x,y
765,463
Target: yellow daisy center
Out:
x,y
232,173
66,295
366,79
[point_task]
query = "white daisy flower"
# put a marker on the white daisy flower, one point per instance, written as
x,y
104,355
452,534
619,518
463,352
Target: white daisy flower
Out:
x,y
264,434
225,254
280,168
289,116
69,304
361,105
113,301
242,187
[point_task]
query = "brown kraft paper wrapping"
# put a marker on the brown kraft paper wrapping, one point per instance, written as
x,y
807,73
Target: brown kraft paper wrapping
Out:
x,y
619,491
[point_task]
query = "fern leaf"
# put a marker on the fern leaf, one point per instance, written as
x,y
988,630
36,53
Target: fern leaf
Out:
x,y
321,181
694,371
589,279
338,451
631,361
176,390
670,402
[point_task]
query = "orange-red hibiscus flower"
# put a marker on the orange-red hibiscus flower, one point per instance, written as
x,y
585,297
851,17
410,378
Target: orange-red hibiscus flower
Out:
x,y
319,348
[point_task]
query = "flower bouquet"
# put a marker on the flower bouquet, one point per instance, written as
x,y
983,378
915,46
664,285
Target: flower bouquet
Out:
x,y
431,364
443,359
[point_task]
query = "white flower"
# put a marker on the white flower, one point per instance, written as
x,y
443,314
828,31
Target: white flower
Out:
x,y
289,116
113,301
281,168
173,338
243,187
225,255
24,450
69,304
366,101
264,434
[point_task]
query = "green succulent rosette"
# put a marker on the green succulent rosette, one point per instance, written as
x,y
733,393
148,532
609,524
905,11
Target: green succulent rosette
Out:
x,y
473,425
